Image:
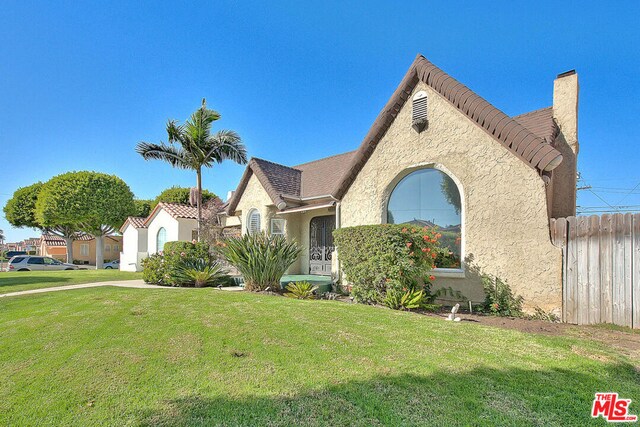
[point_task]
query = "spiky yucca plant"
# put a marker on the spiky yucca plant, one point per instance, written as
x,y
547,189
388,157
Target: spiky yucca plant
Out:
x,y
261,259
199,273
300,290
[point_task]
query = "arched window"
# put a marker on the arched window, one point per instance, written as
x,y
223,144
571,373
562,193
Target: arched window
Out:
x,y
161,239
429,197
253,221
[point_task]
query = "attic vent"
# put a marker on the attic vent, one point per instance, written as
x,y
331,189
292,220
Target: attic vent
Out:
x,y
419,117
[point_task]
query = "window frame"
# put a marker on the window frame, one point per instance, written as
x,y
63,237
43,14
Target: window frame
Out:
x,y
276,220
251,212
84,247
456,273
158,239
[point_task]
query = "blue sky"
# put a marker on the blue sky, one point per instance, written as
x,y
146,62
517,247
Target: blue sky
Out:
x,y
81,84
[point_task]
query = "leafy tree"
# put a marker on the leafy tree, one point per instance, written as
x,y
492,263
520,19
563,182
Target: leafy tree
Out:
x,y
193,146
450,191
20,212
20,209
180,195
143,207
98,202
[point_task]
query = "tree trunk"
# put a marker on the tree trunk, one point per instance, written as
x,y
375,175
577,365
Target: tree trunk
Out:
x,y
69,242
99,254
199,198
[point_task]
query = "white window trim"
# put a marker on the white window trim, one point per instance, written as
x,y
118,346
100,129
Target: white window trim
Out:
x,y
84,249
281,220
259,224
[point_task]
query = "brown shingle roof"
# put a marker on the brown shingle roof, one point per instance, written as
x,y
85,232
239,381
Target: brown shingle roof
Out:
x,y
320,177
527,146
541,123
527,136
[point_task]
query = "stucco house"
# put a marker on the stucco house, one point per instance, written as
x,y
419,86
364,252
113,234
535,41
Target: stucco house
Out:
x,y
142,237
84,248
436,154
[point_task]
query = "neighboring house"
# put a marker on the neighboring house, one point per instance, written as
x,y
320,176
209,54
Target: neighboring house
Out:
x,y
134,244
437,154
167,222
84,248
32,244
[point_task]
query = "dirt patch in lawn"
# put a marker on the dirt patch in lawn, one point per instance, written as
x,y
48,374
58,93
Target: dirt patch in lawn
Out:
x,y
626,341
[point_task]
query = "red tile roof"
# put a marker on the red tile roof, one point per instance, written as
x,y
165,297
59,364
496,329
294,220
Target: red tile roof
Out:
x,y
176,210
135,221
53,240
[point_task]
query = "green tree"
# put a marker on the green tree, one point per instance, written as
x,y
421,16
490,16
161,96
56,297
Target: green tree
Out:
x,y
97,202
193,146
143,207
20,212
180,195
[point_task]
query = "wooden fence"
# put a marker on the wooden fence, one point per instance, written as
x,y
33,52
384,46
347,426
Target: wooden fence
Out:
x,y
601,268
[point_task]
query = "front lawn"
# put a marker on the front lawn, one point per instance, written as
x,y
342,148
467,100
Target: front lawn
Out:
x,y
107,356
25,280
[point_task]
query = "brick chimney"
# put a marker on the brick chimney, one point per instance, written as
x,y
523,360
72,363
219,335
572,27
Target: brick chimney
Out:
x,y
565,113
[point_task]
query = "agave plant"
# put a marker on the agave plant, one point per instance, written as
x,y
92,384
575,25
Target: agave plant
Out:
x,y
261,259
300,290
409,300
199,273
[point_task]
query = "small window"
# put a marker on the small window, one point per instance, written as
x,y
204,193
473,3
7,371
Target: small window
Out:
x,y
116,248
161,239
51,261
419,115
35,260
16,260
84,249
107,248
253,221
277,226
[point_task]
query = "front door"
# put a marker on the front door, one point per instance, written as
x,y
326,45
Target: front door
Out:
x,y
321,244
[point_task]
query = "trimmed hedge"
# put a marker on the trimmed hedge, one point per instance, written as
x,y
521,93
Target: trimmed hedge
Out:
x,y
376,256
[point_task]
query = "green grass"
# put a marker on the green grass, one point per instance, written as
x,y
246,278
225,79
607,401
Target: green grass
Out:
x,y
201,357
25,280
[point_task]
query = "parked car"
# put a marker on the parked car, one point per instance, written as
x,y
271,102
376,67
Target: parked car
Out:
x,y
115,264
11,254
38,263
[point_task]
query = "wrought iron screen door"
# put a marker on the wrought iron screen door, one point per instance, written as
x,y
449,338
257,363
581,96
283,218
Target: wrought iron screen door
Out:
x,y
321,244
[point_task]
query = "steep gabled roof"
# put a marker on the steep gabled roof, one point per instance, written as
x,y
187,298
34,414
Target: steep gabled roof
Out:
x,y
523,143
541,123
284,183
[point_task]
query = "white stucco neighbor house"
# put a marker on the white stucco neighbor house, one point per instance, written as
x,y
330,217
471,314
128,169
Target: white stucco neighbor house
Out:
x,y
437,154
141,237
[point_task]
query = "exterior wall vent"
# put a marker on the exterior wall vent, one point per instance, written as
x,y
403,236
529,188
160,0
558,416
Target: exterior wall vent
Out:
x,y
419,117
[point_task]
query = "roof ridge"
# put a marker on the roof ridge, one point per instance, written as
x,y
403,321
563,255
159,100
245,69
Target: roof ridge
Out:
x,y
324,158
258,159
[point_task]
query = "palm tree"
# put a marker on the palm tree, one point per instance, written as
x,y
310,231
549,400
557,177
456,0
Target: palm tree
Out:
x,y
192,146
1,237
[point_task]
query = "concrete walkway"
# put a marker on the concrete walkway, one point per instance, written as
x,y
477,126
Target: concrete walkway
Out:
x,y
138,283
121,284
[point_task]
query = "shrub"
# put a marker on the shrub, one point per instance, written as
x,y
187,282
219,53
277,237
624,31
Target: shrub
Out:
x,y
199,272
404,300
499,299
301,290
153,270
374,255
164,267
261,259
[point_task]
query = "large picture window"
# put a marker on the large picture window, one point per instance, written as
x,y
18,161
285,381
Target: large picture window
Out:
x,y
430,198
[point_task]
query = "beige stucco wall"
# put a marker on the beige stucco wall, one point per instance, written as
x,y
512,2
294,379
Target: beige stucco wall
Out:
x,y
505,220
255,197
